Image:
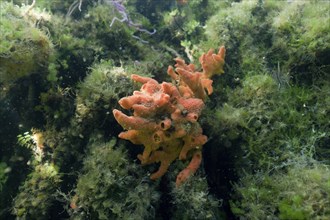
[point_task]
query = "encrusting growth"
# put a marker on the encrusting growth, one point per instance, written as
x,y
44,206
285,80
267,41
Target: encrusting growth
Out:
x,y
165,115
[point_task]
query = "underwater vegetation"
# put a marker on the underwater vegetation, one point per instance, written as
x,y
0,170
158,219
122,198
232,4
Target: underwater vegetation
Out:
x,y
79,78
106,173
24,48
300,193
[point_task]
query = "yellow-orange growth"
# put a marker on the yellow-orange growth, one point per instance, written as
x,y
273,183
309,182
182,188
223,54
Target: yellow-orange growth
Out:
x,y
165,115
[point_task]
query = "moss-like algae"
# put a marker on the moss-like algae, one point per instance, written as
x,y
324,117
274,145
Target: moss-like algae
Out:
x,y
24,49
111,187
301,193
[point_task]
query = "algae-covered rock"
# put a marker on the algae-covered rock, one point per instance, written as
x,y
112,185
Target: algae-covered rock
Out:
x,y
24,49
101,89
280,37
112,187
37,194
263,128
301,41
301,193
